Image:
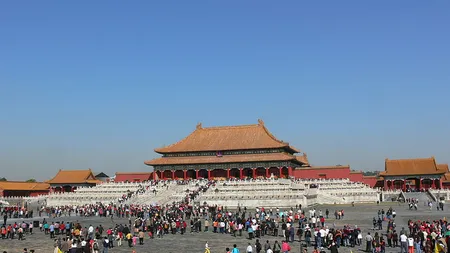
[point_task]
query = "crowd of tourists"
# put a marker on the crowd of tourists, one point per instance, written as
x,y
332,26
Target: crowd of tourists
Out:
x,y
269,230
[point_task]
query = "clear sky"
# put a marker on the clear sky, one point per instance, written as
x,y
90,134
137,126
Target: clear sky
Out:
x,y
100,84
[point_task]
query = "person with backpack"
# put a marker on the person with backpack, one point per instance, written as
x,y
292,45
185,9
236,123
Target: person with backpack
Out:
x,y
235,249
266,246
276,247
258,246
249,248
95,247
105,245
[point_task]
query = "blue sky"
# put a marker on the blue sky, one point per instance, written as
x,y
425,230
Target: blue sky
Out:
x,y
100,84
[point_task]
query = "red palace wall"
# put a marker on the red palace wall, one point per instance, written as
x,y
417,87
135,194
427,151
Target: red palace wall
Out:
x,y
370,180
37,193
356,177
334,172
133,177
322,172
359,177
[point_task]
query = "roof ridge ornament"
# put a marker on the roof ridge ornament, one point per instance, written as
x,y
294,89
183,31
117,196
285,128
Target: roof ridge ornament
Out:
x,y
260,122
199,125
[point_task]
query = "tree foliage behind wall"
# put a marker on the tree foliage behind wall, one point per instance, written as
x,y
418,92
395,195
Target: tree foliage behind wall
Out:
x,y
370,173
2,179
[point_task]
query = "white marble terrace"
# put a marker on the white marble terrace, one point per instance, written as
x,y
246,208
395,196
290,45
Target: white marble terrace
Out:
x,y
251,193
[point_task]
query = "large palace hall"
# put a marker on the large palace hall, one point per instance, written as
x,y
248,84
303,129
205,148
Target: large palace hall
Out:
x,y
244,151
228,152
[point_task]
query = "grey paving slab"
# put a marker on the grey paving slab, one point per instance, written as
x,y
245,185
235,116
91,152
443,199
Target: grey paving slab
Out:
x,y
360,215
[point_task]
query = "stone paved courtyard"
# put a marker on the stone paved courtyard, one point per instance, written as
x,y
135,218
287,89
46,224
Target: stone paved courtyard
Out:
x,y
360,214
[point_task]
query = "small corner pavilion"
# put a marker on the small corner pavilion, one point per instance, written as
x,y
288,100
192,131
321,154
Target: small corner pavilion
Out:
x,y
70,180
23,189
446,177
413,174
243,151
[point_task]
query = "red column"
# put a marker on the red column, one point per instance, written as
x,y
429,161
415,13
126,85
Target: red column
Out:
x,y
185,174
281,172
209,174
290,171
436,183
420,184
254,172
196,174
404,185
267,172
228,173
173,174
241,170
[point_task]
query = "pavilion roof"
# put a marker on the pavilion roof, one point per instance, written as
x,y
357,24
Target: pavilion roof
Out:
x,y
223,138
444,167
23,186
101,174
417,166
222,159
74,177
302,159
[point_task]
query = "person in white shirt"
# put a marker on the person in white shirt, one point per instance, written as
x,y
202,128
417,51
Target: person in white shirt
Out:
x,y
249,248
410,244
91,232
403,243
269,250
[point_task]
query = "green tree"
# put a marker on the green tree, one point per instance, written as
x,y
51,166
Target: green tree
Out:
x,y
3,179
31,180
370,173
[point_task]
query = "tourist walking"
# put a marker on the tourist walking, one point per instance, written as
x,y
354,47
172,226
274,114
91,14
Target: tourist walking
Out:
x,y
285,247
235,249
369,239
403,243
276,247
249,248
105,245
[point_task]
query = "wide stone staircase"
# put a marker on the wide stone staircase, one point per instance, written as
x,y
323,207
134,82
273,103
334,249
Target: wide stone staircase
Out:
x,y
162,196
324,198
420,196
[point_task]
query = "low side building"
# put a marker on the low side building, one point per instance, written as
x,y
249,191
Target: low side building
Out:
x,y
446,177
23,189
102,177
70,180
413,174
